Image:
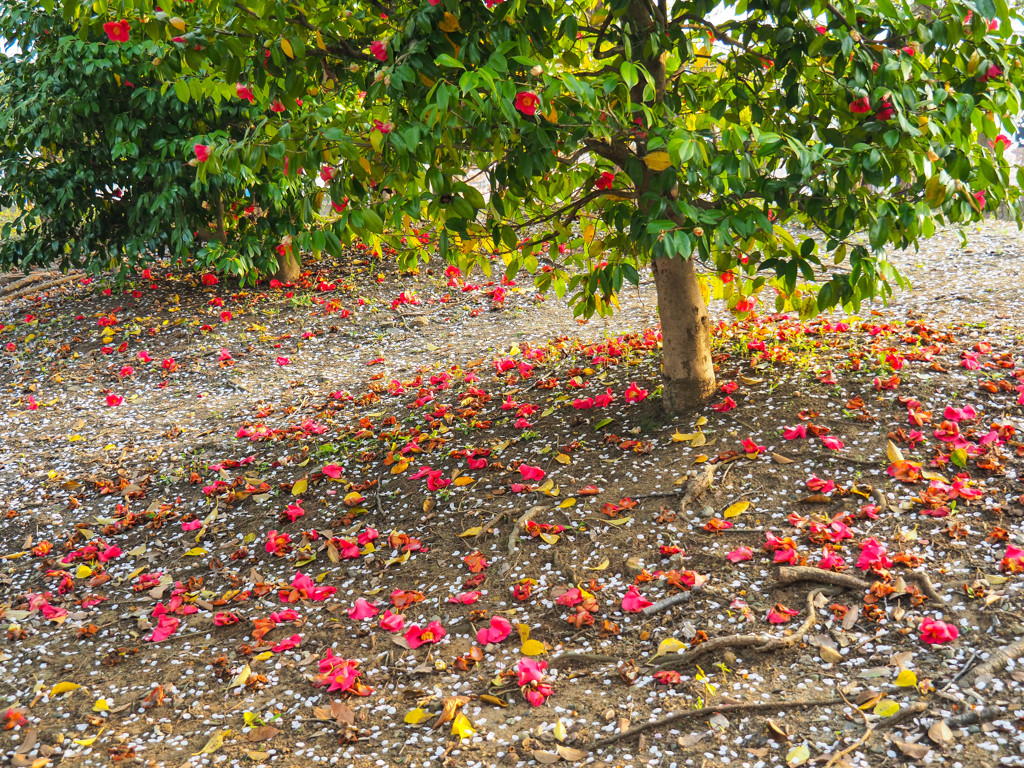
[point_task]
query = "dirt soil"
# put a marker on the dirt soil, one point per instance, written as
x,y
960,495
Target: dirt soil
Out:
x,y
372,519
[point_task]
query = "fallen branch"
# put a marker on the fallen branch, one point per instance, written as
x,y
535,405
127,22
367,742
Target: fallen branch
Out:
x,y
668,602
760,642
994,663
792,573
728,709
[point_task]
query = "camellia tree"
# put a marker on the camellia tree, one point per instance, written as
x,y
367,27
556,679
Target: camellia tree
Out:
x,y
620,134
95,153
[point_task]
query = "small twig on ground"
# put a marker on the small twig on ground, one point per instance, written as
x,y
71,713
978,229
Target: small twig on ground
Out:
x,y
657,495
728,709
37,289
759,642
492,522
869,731
994,663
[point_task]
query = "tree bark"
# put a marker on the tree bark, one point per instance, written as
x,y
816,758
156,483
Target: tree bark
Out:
x,y
289,267
688,374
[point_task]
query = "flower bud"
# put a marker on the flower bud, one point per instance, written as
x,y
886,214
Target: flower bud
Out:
x,y
537,71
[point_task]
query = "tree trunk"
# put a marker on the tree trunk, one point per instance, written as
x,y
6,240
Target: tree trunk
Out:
x,y
688,374
289,267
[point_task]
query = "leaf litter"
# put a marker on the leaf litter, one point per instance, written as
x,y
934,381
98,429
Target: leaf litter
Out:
x,y
202,541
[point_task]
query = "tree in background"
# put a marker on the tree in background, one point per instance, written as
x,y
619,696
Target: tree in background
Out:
x,y
94,156
620,134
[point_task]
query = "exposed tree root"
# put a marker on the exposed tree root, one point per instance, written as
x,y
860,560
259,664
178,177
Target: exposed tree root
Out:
x,y
973,717
793,573
759,642
685,714
582,659
697,485
34,289
994,663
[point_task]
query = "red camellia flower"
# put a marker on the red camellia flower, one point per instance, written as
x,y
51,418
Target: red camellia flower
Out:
x,y
605,180
1002,139
202,152
118,31
860,106
885,110
244,92
379,50
209,279
277,106
527,103
935,632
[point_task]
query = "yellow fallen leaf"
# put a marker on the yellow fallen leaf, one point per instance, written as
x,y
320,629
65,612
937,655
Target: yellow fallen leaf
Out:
x,y
567,503
195,552
83,572
563,458
474,531
560,731
461,727
733,510
399,468
798,755
417,716
701,421
463,480
550,538
241,678
86,742
669,645
907,678
548,488
886,708
101,706
300,486
600,566
403,558
63,687
533,648
216,742
619,521
350,498
893,453
679,437
524,632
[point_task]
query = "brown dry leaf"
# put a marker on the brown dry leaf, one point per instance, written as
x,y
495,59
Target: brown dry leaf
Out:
x,y
913,751
817,498
486,697
777,731
546,758
940,733
262,733
342,713
570,754
255,756
830,655
778,458
449,706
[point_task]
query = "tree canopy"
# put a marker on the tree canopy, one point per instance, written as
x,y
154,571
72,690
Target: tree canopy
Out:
x,y
613,133
94,156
